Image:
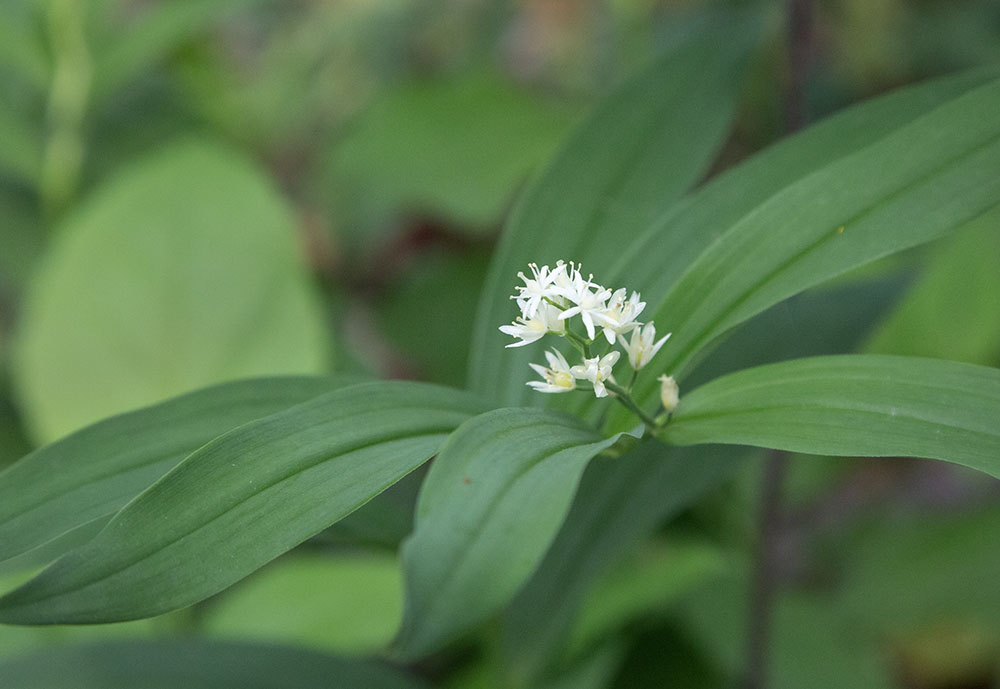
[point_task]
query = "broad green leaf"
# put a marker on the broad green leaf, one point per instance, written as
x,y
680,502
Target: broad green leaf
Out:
x,y
345,603
490,506
193,664
242,500
91,474
932,175
127,51
182,272
456,148
862,405
620,502
626,165
951,312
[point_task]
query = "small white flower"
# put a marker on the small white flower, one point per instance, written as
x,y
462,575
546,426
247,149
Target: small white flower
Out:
x,y
590,299
530,330
642,348
556,378
669,392
597,370
620,315
537,288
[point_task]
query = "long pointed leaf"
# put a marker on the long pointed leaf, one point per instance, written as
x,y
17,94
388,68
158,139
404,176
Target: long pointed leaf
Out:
x,y
241,501
92,473
852,405
931,176
489,508
628,163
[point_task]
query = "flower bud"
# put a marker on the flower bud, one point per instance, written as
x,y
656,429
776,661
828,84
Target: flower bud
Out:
x,y
669,392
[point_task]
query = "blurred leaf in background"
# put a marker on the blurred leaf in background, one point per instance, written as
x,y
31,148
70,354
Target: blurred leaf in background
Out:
x,y
350,603
182,271
453,148
959,286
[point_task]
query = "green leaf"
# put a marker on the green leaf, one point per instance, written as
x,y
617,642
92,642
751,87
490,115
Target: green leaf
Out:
x,y
936,173
490,506
242,500
852,406
193,664
951,312
349,603
92,473
619,503
456,148
182,272
628,163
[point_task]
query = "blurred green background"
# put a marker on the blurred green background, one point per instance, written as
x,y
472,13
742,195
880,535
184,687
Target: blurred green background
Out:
x,y
193,191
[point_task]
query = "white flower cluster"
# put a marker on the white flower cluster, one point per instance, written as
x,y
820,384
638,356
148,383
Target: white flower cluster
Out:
x,y
548,300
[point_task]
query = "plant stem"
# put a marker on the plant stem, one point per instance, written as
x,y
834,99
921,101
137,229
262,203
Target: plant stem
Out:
x,y
626,400
764,586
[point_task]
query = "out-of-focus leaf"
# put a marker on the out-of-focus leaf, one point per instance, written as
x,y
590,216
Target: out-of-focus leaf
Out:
x,y
626,165
193,664
440,291
620,502
20,147
903,572
596,671
92,473
126,52
242,500
21,47
347,604
456,149
22,236
951,313
852,405
935,174
491,504
811,643
182,272
642,585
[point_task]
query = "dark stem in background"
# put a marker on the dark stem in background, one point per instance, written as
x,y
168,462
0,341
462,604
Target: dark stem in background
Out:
x,y
766,575
800,48
764,586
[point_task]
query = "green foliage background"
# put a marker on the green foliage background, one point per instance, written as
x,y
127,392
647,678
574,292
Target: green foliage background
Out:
x,y
199,191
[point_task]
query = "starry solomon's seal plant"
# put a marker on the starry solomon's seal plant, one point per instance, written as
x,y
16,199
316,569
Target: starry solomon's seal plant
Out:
x,y
524,508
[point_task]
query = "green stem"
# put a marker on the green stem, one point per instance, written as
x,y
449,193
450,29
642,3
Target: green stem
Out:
x,y
582,345
626,400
